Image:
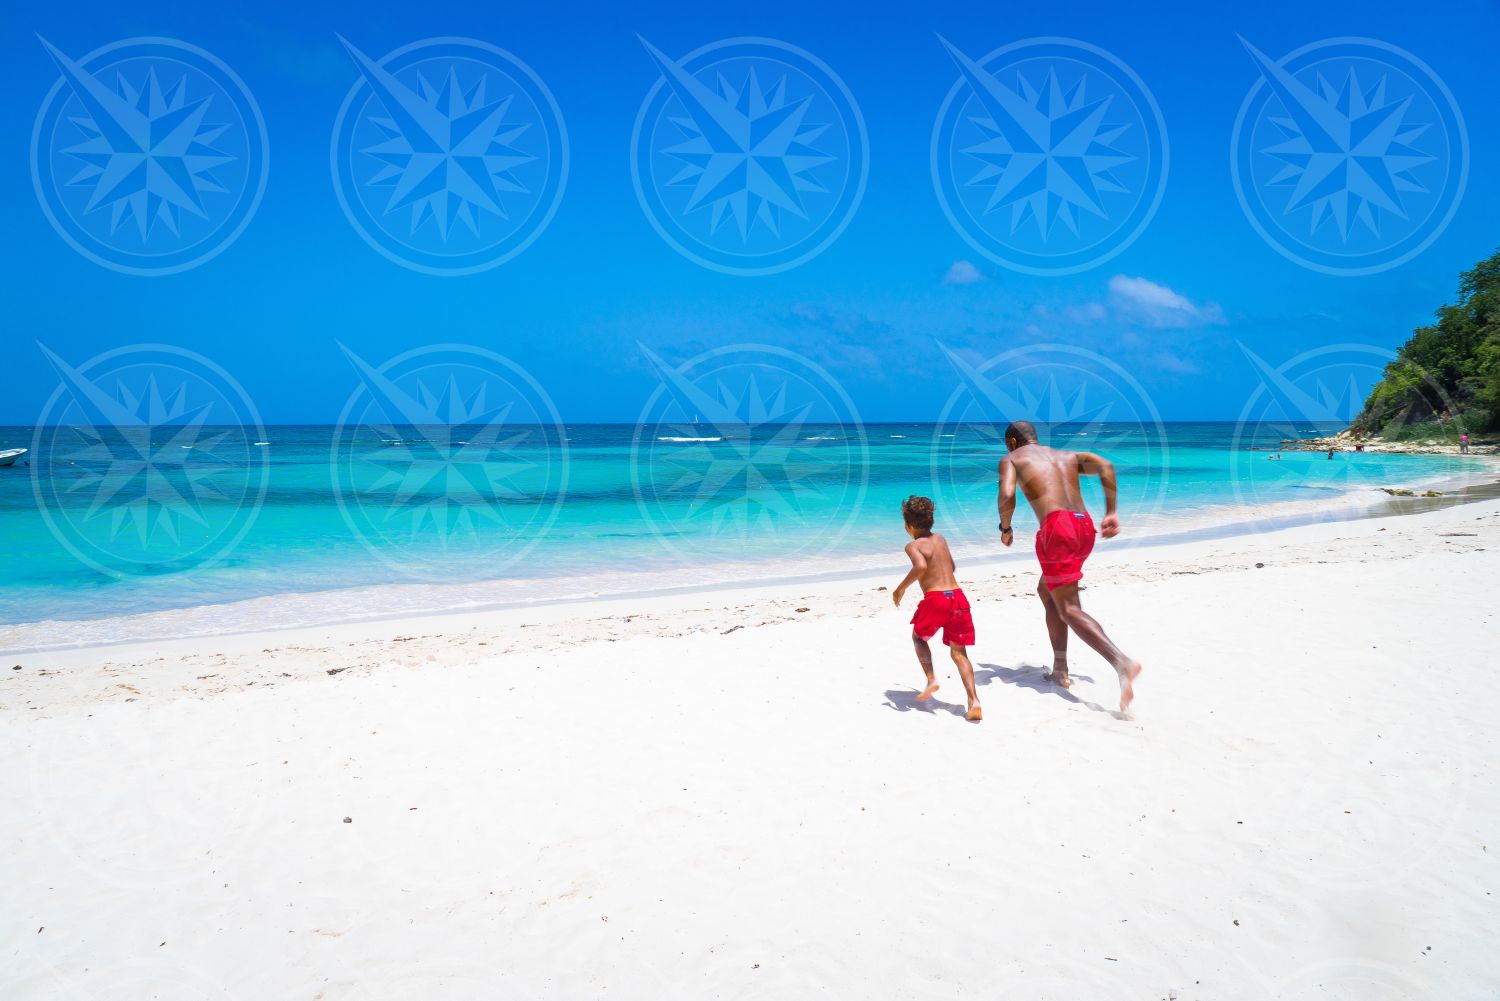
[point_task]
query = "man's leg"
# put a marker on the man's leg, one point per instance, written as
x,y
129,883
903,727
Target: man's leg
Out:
x,y
1070,607
924,656
966,673
1057,632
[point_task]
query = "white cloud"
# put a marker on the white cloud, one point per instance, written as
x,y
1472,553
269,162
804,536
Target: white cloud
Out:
x,y
1176,363
963,273
1143,301
1089,312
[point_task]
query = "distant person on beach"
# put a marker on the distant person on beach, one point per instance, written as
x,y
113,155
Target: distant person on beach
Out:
x,y
943,605
1463,443
1064,539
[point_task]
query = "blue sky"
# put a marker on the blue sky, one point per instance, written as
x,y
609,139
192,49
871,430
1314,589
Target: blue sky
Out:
x,y
573,307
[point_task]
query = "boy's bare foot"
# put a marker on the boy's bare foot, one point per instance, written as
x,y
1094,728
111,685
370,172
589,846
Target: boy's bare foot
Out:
x,y
1128,674
927,692
1059,677
975,713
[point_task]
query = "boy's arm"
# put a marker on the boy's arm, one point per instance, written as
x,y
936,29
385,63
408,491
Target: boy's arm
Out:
x,y
918,568
1090,464
1006,500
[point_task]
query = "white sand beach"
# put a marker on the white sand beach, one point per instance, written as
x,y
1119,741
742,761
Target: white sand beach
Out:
x,y
735,795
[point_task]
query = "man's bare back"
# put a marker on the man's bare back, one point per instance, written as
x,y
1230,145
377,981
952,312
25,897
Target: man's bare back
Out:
x,y
1065,538
1049,479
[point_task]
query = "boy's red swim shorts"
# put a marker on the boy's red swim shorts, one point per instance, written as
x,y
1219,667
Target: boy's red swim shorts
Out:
x,y
948,611
1063,542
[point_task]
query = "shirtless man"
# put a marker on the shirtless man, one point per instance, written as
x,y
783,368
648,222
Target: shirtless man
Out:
x,y
1064,539
943,605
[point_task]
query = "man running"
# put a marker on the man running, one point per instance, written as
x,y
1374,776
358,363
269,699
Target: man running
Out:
x,y
1064,539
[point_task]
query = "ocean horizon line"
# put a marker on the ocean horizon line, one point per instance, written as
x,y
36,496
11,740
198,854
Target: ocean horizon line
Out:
x,y
623,423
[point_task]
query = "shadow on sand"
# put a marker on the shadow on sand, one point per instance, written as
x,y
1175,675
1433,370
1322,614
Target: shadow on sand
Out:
x,y
1028,676
905,701
1034,677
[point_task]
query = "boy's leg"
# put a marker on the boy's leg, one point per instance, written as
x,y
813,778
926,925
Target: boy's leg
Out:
x,y
924,656
1070,607
1057,632
966,673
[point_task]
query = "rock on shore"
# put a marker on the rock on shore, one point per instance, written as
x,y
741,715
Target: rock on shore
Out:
x,y
1345,441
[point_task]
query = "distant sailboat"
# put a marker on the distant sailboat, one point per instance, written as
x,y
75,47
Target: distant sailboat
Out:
x,y
10,455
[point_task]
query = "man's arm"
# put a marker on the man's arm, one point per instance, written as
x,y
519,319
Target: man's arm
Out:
x,y
1090,464
1006,501
918,568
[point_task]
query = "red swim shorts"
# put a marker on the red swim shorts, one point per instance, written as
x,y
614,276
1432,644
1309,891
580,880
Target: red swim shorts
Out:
x,y
948,611
1063,542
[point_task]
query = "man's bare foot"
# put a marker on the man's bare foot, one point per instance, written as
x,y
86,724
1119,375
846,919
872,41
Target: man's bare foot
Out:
x,y
927,692
975,713
1128,674
1059,677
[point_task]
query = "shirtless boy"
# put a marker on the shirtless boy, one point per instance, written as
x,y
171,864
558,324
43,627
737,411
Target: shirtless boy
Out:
x,y
943,605
1064,539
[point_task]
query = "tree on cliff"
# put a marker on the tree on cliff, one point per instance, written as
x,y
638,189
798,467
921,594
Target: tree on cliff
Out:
x,y
1449,370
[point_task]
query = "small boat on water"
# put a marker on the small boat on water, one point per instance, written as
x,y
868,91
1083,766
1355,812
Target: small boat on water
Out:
x,y
9,456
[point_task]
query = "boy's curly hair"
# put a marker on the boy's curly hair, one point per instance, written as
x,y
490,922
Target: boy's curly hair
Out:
x,y
918,512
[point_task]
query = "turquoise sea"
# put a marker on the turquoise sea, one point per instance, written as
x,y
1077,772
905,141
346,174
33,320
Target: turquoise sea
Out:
x,y
299,524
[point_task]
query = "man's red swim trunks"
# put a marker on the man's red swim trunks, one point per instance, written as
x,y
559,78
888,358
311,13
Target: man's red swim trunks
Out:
x,y
1063,542
948,611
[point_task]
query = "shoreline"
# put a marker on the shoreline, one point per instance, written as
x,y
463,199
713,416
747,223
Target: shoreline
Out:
x,y
1344,441
324,606
730,792
424,637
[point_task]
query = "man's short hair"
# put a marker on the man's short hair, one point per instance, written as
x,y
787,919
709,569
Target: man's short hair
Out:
x,y
918,512
1021,431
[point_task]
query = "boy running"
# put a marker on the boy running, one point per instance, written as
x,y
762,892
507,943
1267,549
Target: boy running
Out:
x,y
943,604
1064,539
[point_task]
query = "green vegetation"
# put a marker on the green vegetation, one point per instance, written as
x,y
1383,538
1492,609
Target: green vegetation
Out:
x,y
1446,378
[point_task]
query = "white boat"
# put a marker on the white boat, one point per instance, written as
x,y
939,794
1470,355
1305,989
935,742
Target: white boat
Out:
x,y
10,455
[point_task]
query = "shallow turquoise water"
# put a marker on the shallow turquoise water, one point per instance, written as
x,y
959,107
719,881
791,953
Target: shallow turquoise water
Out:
x,y
105,525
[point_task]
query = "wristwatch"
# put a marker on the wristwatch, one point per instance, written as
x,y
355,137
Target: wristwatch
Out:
x,y
1003,529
